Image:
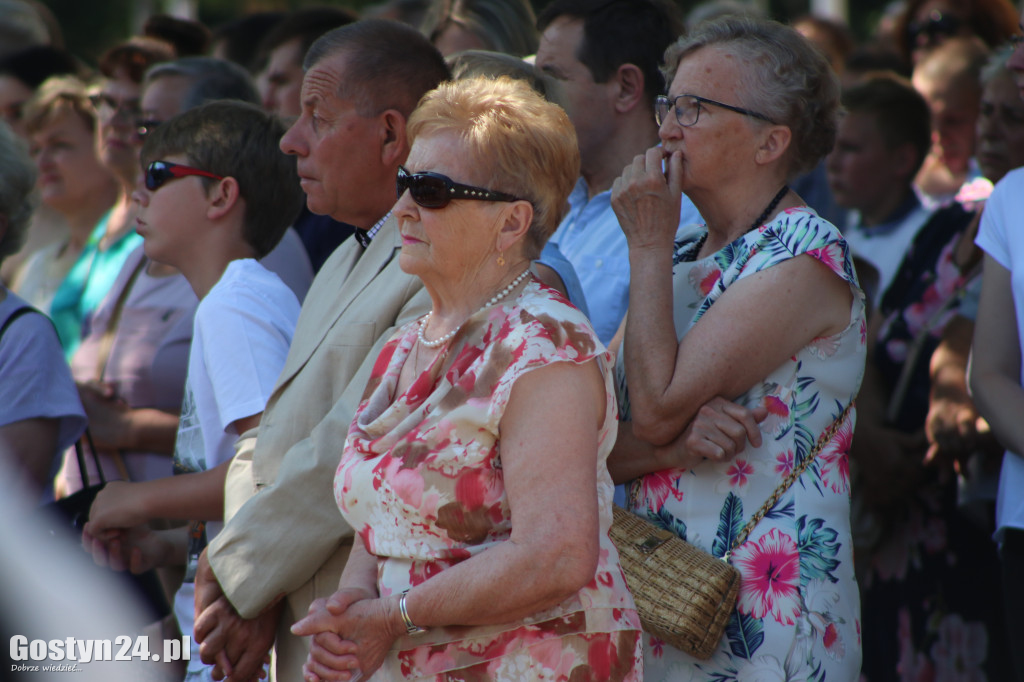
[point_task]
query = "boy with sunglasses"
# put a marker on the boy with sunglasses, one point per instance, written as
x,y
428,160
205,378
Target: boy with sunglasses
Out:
x,y
217,195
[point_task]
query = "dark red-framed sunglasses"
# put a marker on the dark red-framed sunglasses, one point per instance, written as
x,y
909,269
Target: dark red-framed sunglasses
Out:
x,y
159,172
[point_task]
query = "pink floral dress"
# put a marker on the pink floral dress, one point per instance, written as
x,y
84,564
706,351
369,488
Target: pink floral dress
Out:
x,y
798,614
421,482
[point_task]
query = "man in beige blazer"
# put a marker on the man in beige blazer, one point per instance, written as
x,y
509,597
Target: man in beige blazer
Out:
x,y
284,536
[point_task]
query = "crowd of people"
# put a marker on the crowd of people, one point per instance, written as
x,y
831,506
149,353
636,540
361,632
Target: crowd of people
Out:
x,y
367,321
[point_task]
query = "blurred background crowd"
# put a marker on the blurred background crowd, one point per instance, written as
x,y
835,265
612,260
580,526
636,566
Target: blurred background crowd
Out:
x,y
933,120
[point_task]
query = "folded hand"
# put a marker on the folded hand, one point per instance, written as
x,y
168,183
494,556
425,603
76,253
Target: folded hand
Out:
x,y
352,632
719,432
237,647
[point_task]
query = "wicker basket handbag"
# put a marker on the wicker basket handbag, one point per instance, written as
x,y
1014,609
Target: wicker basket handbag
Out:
x,y
683,594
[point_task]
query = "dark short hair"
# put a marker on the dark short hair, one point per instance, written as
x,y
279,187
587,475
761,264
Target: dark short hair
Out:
x,y
238,140
868,58
390,65
189,38
134,57
306,25
486,64
33,65
241,37
617,32
901,113
209,79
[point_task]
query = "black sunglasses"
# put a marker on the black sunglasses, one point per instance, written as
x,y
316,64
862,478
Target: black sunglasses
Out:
x,y
433,190
934,28
159,172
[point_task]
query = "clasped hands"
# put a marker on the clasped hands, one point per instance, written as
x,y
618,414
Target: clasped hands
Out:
x,y
352,631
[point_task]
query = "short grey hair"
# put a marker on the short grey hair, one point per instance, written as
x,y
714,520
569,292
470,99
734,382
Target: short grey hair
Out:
x,y
210,79
17,178
785,79
388,65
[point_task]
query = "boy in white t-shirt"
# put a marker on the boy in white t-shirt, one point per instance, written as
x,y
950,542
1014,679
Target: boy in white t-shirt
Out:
x,y
217,195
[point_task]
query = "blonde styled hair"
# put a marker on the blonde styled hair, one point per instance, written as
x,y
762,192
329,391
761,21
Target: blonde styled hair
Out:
x,y
523,144
55,97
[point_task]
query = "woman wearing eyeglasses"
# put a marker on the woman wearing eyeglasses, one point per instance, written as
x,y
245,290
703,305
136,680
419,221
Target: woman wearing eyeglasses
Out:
x,y
117,145
474,470
742,347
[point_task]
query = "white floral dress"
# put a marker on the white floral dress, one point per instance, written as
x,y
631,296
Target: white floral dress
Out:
x,y
798,616
421,482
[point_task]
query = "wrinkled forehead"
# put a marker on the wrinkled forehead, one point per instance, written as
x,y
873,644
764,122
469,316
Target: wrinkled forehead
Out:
x,y
706,70
324,79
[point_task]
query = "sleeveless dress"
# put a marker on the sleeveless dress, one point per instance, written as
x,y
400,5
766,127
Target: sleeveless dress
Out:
x,y
421,483
798,613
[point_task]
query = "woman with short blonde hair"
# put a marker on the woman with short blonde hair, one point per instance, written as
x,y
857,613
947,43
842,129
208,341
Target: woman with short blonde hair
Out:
x,y
474,471
60,122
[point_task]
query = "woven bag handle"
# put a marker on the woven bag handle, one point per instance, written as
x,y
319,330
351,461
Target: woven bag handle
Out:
x,y
797,471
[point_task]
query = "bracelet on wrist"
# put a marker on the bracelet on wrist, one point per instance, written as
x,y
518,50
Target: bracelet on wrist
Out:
x,y
411,628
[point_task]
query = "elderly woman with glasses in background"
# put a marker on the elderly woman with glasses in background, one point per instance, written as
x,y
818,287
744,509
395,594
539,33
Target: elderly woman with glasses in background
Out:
x,y
117,146
756,318
474,470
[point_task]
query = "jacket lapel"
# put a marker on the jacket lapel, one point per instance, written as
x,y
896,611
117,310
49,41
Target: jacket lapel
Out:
x,y
341,280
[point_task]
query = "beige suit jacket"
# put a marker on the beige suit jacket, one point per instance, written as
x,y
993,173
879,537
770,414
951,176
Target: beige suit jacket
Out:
x,y
287,535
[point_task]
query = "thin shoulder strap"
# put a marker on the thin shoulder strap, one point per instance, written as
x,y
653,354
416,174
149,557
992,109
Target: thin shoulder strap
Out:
x,y
86,436
107,340
797,471
15,315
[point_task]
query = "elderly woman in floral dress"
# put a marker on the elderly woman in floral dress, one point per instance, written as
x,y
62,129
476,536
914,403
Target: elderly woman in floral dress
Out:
x,y
758,317
474,470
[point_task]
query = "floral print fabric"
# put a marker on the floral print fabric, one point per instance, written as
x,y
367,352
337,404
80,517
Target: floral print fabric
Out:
x,y
421,482
797,617
931,588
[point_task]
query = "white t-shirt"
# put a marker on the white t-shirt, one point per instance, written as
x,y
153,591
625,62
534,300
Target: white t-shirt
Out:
x,y
243,328
1000,237
885,247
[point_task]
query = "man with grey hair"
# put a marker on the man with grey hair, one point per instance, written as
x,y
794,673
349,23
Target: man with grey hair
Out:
x,y
170,88
283,535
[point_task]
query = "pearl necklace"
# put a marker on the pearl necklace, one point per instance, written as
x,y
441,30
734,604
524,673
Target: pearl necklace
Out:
x,y
448,337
